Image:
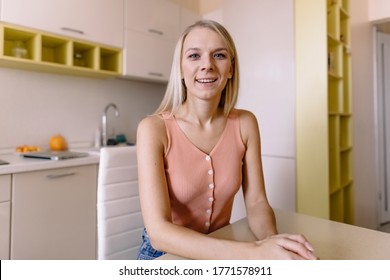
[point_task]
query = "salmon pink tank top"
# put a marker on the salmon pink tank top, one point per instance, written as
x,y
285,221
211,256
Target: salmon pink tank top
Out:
x,y
202,186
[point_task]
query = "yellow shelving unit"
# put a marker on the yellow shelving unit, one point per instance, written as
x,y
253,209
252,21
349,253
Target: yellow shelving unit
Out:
x,y
29,49
324,111
340,112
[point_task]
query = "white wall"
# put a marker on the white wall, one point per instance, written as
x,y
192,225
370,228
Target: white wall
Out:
x,y
269,34
35,106
377,9
264,35
364,114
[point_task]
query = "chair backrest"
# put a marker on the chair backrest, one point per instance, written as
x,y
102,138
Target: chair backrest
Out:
x,y
120,221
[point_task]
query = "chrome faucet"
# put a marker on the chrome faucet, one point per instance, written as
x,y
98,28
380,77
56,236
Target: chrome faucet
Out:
x,y
104,121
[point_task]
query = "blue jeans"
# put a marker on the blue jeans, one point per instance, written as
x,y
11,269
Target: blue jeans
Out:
x,y
146,251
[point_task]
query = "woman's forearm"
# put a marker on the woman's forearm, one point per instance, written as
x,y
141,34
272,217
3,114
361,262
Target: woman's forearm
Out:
x,y
261,219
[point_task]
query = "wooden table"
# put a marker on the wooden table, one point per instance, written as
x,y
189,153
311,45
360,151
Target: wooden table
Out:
x,y
331,240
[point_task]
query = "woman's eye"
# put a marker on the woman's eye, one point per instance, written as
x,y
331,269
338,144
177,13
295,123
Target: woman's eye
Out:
x,y
220,55
193,56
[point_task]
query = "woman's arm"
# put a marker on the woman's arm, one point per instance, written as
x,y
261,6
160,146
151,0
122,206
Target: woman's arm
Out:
x,y
178,240
261,217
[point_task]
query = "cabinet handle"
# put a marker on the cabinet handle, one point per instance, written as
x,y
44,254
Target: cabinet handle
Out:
x,y
156,74
155,31
56,176
72,30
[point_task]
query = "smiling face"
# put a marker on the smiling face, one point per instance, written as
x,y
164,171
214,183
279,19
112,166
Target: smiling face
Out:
x,y
205,64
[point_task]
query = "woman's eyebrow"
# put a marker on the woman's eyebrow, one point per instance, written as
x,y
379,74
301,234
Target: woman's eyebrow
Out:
x,y
192,49
214,50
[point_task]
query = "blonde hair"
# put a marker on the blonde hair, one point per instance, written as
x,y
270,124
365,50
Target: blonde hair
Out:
x,y
176,93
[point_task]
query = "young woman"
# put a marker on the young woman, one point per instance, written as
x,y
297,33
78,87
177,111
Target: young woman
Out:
x,y
195,153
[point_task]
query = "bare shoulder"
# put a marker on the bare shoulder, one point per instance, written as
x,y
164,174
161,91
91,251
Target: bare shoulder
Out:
x,y
248,125
247,119
151,129
151,122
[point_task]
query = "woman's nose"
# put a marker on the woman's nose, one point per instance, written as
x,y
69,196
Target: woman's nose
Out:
x,y
207,63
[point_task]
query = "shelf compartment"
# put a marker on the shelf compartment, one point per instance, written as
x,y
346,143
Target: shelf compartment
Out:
x,y
85,55
337,206
335,56
346,167
345,132
347,100
345,6
334,154
55,50
348,205
333,18
110,60
27,40
345,36
335,98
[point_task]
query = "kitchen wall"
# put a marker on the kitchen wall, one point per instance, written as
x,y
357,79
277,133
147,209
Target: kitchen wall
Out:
x,y
35,106
364,116
377,9
267,83
365,141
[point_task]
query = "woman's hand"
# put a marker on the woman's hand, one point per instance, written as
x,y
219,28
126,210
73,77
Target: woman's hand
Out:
x,y
286,247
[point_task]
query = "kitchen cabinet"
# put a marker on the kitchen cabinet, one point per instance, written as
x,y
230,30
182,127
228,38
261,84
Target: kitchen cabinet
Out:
x,y
54,214
187,18
147,57
99,21
31,49
5,216
151,31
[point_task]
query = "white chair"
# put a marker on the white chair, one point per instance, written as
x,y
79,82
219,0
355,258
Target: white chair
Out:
x,y
119,216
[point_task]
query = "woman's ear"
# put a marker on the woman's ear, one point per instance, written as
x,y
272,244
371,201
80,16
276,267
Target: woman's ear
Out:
x,y
231,72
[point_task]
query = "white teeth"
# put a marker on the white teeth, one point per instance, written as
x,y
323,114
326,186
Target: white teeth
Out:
x,y
206,80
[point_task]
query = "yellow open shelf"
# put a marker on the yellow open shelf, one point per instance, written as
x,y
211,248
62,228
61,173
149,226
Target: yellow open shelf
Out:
x,y
340,112
29,49
54,50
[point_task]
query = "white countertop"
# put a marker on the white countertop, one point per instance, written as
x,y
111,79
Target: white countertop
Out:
x,y
19,164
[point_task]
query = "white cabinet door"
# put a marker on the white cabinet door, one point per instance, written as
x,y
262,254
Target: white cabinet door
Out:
x,y
54,214
158,18
151,30
147,57
5,216
187,18
99,21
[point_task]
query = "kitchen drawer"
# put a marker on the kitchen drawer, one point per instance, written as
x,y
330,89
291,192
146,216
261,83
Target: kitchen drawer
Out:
x,y
5,188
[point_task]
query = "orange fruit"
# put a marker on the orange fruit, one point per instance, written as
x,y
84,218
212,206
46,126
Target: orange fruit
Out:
x,y
58,143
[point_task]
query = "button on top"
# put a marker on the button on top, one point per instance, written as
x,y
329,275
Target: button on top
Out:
x,y
208,157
